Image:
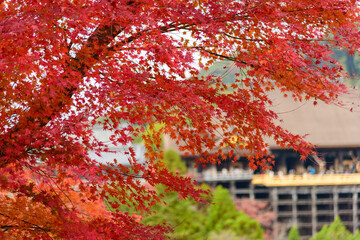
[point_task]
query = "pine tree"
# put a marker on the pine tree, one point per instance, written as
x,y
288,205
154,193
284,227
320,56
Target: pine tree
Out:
x,y
294,233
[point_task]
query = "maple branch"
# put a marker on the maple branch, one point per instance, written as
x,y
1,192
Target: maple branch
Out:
x,y
7,227
101,37
262,40
165,29
31,225
52,180
85,58
222,56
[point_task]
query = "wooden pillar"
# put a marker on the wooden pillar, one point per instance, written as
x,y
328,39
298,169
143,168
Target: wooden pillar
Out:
x,y
213,170
275,206
355,208
294,206
341,158
336,199
282,164
313,210
251,192
232,189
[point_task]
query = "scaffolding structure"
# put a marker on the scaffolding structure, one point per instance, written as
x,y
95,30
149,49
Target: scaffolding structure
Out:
x,y
307,201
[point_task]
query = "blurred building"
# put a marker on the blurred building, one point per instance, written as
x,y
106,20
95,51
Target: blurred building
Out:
x,y
118,152
307,193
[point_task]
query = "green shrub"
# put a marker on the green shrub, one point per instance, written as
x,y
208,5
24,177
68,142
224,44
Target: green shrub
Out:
x,y
294,233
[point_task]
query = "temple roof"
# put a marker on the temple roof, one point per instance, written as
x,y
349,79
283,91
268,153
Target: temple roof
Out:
x,y
326,125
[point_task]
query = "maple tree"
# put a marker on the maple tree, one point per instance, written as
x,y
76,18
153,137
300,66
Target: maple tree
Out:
x,y
259,210
66,63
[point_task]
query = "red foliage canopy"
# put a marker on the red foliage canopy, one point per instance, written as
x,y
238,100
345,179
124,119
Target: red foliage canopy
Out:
x,y
65,63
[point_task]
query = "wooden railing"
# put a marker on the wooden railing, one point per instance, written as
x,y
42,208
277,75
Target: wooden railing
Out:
x,y
224,176
307,180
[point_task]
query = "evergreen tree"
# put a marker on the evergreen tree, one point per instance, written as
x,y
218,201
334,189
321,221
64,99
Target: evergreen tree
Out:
x,y
190,220
173,161
294,233
224,216
336,230
182,216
